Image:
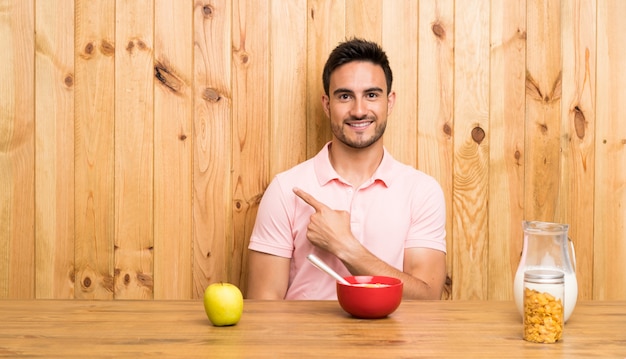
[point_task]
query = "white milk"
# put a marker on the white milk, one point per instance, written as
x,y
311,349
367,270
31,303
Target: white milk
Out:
x,y
570,291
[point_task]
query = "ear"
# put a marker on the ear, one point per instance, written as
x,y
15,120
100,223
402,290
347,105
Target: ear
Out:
x,y
391,100
326,105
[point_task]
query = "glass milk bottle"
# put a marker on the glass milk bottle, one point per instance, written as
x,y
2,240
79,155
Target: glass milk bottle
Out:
x,y
546,248
543,306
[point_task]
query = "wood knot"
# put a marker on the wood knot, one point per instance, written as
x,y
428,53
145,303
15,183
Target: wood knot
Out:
x,y
145,280
107,48
478,134
182,137
108,282
87,282
69,80
211,95
447,129
167,77
533,89
137,44
579,122
439,31
244,58
89,49
141,45
207,11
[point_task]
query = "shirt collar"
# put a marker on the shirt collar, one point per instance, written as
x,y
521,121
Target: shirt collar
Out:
x,y
326,173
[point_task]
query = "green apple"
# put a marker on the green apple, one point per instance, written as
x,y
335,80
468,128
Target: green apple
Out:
x,y
223,303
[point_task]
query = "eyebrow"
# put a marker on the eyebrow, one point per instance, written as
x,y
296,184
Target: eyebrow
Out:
x,y
345,90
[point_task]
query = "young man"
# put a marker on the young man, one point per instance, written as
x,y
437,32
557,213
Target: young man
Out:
x,y
352,205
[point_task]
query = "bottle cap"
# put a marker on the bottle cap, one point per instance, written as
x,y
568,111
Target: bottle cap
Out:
x,y
544,276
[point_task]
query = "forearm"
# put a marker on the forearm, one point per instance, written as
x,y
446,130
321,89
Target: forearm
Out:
x,y
422,284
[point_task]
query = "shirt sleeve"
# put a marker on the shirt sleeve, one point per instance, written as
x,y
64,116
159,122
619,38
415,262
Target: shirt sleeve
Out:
x,y
428,227
272,232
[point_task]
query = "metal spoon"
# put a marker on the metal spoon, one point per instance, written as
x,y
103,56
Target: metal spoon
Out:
x,y
324,267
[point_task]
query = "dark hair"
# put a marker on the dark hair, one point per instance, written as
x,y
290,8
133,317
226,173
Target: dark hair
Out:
x,y
356,49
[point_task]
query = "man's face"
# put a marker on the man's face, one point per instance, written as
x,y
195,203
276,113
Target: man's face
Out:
x,y
358,104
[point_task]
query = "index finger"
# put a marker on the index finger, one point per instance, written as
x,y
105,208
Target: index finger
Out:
x,y
310,200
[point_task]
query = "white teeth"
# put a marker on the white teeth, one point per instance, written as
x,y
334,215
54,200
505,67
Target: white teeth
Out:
x,y
361,124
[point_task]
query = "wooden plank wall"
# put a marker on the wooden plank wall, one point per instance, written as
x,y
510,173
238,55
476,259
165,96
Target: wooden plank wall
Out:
x,y
137,137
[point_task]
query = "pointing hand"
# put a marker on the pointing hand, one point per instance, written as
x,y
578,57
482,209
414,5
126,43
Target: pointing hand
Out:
x,y
328,229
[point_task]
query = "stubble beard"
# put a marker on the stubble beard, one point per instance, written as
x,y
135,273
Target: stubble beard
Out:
x,y
360,141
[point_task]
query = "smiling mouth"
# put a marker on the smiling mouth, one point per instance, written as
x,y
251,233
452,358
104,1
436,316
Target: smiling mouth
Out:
x,y
360,124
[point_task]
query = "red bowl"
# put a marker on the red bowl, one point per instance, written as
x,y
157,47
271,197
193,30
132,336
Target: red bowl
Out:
x,y
370,297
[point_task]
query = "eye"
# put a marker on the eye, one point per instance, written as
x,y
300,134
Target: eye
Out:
x,y
372,95
343,97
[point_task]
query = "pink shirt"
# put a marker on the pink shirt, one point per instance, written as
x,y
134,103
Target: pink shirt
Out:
x,y
399,207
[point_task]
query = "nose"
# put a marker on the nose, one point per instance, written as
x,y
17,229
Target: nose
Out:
x,y
359,108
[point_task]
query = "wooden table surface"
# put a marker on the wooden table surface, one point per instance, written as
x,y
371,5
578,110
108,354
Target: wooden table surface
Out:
x,y
296,329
